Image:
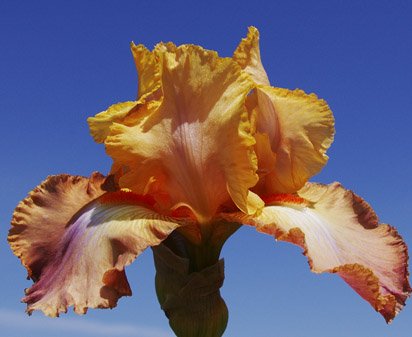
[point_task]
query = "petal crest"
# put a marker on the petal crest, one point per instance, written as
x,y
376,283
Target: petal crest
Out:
x,y
81,262
247,55
340,233
148,70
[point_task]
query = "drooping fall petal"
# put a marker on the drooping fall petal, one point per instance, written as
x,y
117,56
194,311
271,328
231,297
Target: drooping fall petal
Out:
x,y
76,241
39,220
195,148
247,55
340,233
293,132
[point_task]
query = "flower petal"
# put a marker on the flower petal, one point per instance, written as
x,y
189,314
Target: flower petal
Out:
x,y
100,124
39,220
247,55
76,241
339,233
195,147
148,71
299,129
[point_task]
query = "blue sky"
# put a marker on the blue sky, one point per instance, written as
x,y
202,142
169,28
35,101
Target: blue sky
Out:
x,y
62,61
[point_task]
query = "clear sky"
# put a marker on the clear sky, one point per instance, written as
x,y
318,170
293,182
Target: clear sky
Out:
x,y
62,61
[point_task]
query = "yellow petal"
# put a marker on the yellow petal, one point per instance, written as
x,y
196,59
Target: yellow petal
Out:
x,y
76,241
148,70
299,129
195,147
100,124
340,233
247,55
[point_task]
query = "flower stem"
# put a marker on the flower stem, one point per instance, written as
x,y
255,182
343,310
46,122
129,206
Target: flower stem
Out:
x,y
188,278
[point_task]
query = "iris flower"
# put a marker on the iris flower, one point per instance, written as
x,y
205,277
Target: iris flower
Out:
x,y
207,146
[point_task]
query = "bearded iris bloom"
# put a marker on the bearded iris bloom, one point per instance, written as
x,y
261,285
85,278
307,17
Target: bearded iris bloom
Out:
x,y
207,146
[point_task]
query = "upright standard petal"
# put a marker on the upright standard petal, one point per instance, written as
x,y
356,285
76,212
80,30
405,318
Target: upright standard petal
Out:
x,y
340,233
100,124
293,132
148,71
293,129
76,241
195,148
247,55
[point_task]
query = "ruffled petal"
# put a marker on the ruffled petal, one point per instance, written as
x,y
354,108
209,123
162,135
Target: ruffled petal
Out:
x,y
148,71
340,233
100,124
76,241
39,221
294,128
195,148
247,55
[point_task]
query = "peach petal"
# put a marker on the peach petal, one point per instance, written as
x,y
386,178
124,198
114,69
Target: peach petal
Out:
x,y
293,132
76,241
340,233
196,146
39,220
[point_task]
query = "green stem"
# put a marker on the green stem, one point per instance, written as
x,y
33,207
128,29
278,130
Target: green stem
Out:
x,y
188,278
